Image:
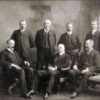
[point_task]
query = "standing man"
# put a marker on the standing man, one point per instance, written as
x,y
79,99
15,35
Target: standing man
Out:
x,y
94,35
45,41
71,42
89,65
23,43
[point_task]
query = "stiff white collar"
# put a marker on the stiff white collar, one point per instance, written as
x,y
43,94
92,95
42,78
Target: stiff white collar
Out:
x,y
61,53
46,30
10,50
93,31
69,33
89,51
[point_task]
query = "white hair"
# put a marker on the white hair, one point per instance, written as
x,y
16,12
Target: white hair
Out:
x,y
62,46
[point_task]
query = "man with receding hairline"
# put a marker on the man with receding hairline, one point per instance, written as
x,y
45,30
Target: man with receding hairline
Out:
x,y
89,65
13,68
45,41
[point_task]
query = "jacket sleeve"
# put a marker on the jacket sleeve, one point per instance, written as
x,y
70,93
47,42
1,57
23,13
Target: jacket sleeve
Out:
x,y
96,63
13,35
5,61
60,40
37,37
31,39
78,44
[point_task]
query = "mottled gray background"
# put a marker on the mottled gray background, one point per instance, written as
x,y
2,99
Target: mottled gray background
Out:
x,y
81,12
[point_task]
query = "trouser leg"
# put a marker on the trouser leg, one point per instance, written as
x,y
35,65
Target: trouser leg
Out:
x,y
51,81
39,74
73,78
21,75
29,73
83,81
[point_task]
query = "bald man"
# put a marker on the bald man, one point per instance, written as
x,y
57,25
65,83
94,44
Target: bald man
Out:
x,y
94,34
45,41
13,68
89,65
61,66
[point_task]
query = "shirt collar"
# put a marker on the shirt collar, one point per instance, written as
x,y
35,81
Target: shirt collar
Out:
x,y
69,33
46,30
61,53
10,50
93,31
89,51
22,30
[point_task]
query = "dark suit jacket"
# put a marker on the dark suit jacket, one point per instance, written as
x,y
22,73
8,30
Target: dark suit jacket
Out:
x,y
39,39
62,61
23,43
96,39
73,44
91,61
7,58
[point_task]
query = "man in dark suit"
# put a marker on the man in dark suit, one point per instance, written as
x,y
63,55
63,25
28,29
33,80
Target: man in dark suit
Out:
x,y
71,42
23,43
63,64
89,65
13,68
94,35
45,41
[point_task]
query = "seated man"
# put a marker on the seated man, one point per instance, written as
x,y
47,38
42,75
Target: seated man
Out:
x,y
62,62
61,65
89,65
13,68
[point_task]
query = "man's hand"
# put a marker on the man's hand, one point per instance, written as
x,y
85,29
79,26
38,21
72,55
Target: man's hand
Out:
x,y
15,66
50,68
85,70
65,69
27,63
75,67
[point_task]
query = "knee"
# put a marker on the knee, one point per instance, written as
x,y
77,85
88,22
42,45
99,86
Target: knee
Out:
x,y
31,69
22,71
53,74
71,72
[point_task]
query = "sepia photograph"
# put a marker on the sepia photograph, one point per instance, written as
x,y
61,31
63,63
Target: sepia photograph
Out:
x,y
49,49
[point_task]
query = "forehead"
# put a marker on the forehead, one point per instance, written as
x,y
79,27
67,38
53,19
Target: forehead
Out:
x,y
88,42
11,41
47,21
22,22
93,23
71,25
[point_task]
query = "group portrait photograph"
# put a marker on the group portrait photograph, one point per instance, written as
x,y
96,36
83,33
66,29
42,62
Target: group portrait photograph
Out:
x,y
49,49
